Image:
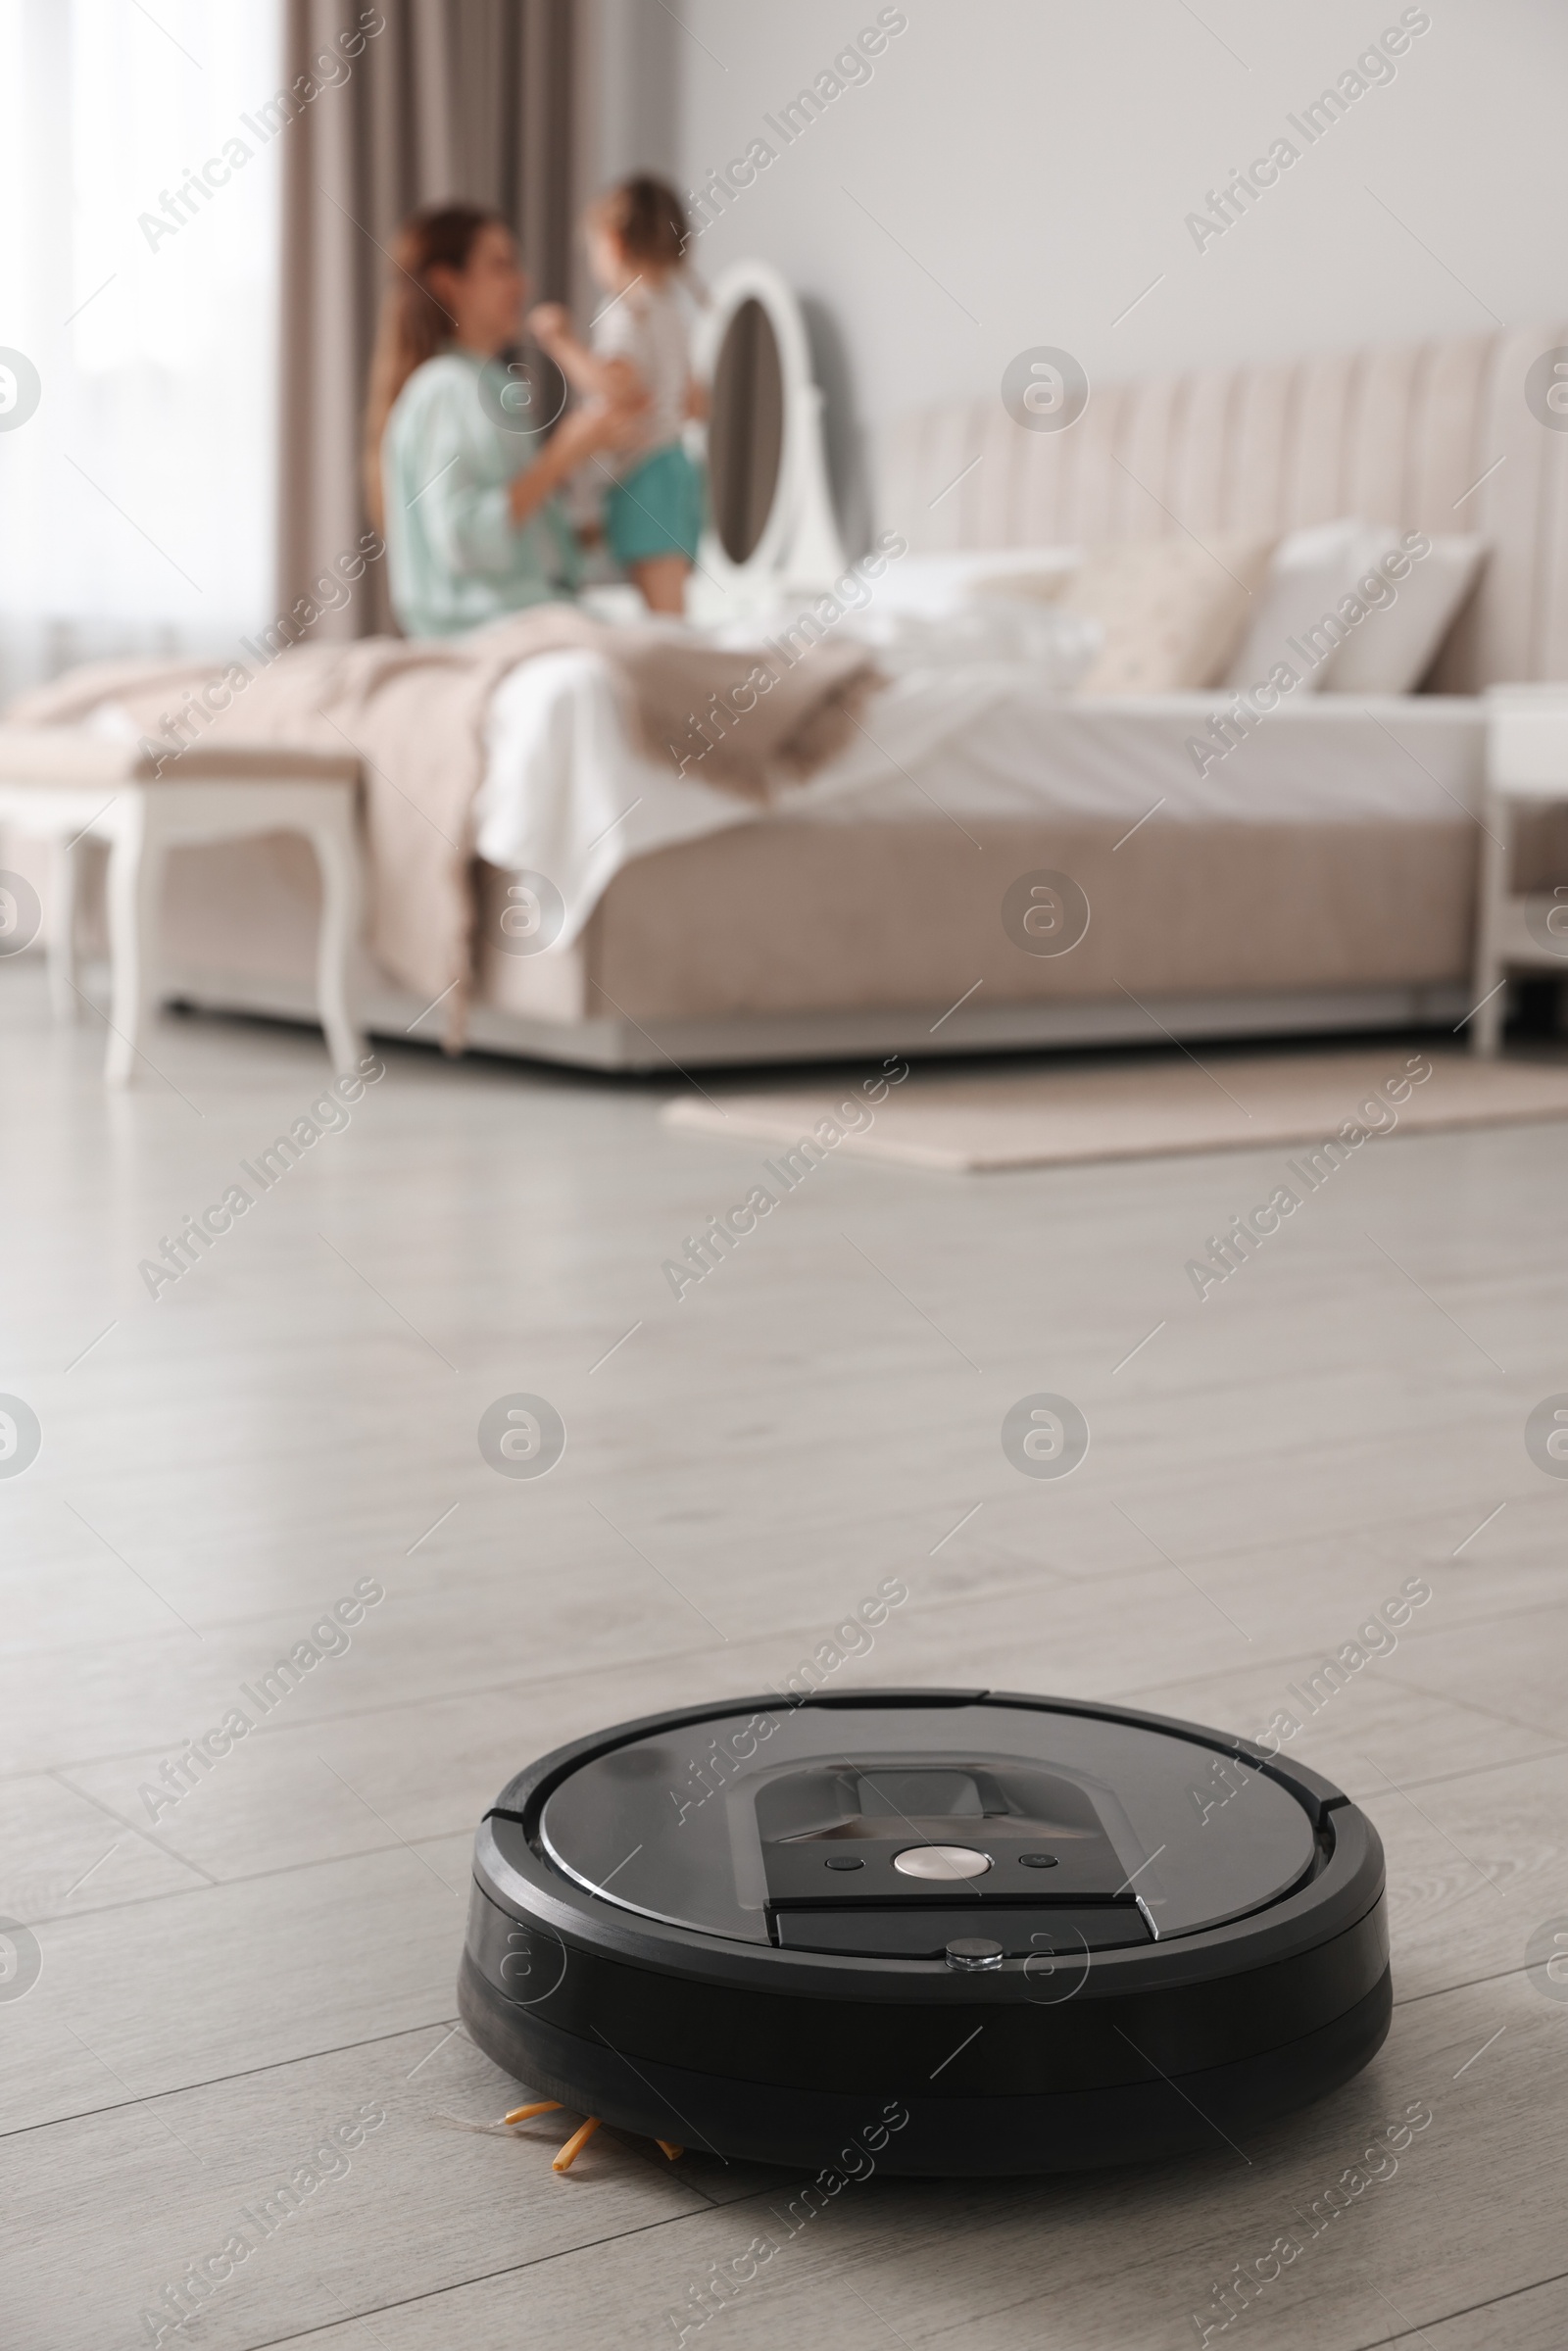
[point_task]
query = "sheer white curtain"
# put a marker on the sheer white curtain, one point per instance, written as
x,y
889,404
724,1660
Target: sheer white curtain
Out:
x,y
138,500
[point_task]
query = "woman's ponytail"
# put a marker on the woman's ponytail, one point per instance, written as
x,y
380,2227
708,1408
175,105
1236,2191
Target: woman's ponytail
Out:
x,y
414,326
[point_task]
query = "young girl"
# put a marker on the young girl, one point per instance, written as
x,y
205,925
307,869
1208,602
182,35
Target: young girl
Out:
x,y
640,343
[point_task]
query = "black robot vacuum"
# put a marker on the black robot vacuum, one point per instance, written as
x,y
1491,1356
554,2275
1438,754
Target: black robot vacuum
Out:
x,y
1008,1933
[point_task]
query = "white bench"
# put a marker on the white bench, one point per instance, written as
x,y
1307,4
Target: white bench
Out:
x,y
67,785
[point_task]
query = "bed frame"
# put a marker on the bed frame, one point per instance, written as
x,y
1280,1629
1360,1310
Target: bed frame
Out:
x,y
669,1048
796,941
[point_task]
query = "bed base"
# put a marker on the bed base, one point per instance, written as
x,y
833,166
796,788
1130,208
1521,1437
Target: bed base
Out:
x,y
663,1048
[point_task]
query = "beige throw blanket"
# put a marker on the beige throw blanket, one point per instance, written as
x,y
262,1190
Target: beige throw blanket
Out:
x,y
747,721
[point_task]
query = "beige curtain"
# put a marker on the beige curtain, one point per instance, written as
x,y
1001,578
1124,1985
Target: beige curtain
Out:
x,y
452,98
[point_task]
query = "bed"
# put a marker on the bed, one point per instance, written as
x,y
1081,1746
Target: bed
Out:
x,y
1323,876
1325,879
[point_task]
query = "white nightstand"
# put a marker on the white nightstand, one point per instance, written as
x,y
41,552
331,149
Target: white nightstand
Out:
x,y
1527,767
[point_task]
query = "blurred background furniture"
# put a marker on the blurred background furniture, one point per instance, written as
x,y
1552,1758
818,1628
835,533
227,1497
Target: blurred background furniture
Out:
x,y
1324,878
1527,774
69,787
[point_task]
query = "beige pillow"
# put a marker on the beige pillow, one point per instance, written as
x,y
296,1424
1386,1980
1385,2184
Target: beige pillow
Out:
x,y
1172,612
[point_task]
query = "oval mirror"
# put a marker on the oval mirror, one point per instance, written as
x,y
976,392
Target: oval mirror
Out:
x,y
744,430
770,516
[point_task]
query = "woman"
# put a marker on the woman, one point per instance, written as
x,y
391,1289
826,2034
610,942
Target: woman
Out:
x,y
465,499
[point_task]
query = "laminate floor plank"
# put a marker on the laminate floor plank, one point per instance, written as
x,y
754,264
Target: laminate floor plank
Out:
x,y
63,1854
1536,2319
201,1987
423,2198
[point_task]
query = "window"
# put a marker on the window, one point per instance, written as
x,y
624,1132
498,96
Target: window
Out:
x,y
138,501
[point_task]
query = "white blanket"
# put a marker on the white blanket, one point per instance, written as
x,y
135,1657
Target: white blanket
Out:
x,y
565,796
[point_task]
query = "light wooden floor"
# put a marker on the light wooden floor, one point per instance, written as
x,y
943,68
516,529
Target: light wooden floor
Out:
x,y
300,1411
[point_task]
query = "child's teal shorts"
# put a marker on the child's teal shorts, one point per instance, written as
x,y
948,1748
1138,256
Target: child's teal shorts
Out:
x,y
658,509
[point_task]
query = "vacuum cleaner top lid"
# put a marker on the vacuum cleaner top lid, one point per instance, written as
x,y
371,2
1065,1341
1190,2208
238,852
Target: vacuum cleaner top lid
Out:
x,y
843,1826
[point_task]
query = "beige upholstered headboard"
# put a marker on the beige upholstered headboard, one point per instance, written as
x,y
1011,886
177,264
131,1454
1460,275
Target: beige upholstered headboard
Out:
x,y
1400,435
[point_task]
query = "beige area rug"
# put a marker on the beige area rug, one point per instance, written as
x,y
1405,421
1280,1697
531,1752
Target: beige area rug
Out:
x,y
1141,1107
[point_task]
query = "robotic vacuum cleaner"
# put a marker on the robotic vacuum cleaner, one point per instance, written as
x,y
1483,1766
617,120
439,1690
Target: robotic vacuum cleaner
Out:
x,y
1007,1934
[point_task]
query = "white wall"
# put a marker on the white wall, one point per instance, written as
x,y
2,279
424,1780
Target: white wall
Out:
x,y
1017,172
635,72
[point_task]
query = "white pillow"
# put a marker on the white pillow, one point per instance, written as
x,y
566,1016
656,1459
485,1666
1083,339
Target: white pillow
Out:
x,y
934,584
1392,649
1311,571
1056,647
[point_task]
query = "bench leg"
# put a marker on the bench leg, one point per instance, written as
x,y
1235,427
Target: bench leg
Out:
x,y
135,879
64,997
338,856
